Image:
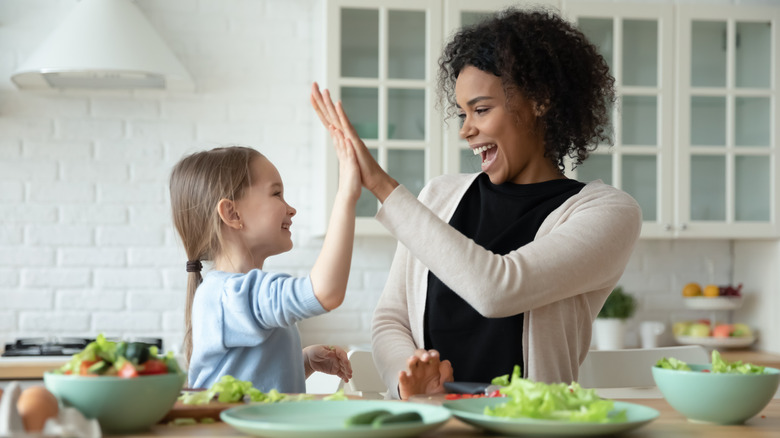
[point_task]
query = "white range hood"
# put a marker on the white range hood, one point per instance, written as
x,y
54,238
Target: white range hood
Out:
x,y
103,44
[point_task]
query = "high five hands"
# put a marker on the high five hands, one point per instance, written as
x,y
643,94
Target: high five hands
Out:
x,y
332,116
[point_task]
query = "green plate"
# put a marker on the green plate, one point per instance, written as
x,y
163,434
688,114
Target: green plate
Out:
x,y
471,411
306,419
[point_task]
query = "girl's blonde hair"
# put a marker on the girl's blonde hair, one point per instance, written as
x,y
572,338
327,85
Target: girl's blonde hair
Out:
x,y
198,182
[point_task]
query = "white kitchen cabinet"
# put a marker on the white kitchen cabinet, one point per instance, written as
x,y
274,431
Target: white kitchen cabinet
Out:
x,y
636,41
696,123
727,80
381,61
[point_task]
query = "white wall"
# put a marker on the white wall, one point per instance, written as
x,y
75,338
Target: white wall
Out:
x,y
86,241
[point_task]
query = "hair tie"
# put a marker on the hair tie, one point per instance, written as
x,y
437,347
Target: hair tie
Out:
x,y
194,266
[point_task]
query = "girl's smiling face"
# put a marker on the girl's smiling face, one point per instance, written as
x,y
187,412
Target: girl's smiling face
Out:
x,y
266,216
506,134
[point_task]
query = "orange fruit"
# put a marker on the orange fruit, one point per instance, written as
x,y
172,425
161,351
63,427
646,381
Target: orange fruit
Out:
x,y
711,290
691,290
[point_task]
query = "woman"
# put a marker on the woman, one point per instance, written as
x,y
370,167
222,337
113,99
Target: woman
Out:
x,y
510,265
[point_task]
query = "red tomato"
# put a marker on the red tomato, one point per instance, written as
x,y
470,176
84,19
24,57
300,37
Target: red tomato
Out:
x,y
84,368
127,371
153,366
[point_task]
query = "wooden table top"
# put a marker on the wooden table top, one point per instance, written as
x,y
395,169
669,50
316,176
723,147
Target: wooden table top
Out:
x,y
670,424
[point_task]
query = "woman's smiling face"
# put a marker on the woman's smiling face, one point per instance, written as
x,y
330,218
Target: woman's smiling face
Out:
x,y
509,141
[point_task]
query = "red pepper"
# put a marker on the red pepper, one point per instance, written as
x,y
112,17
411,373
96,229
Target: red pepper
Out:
x,y
127,371
153,366
84,368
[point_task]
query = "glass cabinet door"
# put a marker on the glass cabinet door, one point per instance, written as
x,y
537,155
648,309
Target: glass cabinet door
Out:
x,y
727,137
384,73
635,40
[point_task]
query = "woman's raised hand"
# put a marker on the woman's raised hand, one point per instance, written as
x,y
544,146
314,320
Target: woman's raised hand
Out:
x,y
374,178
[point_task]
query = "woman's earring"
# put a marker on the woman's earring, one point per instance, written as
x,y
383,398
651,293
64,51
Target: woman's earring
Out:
x,y
241,226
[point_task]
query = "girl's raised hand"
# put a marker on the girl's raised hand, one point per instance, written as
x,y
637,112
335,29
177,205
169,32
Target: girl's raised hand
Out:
x,y
349,172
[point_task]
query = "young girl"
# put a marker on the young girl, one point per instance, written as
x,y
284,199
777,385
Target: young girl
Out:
x,y
229,208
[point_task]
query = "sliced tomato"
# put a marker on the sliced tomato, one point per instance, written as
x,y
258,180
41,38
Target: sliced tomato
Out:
x,y
127,371
153,366
84,368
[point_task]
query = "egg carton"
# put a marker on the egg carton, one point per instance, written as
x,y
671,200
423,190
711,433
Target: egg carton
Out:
x,y
68,423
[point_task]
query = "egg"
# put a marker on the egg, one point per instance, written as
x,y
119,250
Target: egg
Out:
x,y
36,405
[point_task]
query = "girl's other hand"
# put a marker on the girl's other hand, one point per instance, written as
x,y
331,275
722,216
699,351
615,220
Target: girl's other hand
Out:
x,y
349,172
327,359
426,374
373,177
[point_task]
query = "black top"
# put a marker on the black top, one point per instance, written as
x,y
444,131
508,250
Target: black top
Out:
x,y
500,218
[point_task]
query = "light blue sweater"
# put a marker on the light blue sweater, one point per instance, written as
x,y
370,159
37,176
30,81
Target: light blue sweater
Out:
x,y
244,325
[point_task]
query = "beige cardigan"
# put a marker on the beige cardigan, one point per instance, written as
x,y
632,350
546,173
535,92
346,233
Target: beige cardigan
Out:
x,y
560,280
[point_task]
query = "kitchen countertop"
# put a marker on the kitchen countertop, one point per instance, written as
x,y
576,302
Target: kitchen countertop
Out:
x,y
13,368
21,367
669,424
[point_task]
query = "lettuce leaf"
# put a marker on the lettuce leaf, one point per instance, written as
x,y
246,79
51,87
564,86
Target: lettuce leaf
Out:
x,y
672,364
557,401
719,365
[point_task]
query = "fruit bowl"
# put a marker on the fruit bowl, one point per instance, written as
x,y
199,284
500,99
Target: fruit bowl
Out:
x,y
714,397
119,404
716,342
713,303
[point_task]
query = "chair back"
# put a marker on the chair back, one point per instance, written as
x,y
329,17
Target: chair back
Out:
x,y
632,368
365,377
322,383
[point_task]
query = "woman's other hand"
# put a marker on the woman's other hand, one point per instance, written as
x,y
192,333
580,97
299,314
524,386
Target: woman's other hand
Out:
x,y
327,359
426,374
373,177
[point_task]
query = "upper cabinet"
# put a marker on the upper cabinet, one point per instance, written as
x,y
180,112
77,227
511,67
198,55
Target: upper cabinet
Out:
x,y
381,61
694,126
636,41
727,78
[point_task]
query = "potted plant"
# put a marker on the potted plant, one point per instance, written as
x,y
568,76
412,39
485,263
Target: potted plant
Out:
x,y
610,325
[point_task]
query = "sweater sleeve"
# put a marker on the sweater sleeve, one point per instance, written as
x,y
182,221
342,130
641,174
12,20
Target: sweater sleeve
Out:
x,y
583,246
391,334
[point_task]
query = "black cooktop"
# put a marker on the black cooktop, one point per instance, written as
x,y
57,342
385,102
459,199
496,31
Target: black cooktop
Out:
x,y
25,347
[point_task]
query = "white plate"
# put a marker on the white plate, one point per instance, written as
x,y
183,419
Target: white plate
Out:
x,y
472,411
731,342
713,303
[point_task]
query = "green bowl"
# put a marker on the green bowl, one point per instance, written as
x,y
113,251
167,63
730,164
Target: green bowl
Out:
x,y
716,397
119,405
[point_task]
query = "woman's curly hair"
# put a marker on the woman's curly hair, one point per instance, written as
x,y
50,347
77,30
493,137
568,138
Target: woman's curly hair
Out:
x,y
550,62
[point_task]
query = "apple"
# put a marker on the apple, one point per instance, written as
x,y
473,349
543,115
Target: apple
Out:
x,y
681,328
742,330
722,330
699,330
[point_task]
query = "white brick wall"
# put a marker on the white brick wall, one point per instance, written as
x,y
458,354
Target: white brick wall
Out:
x,y
86,242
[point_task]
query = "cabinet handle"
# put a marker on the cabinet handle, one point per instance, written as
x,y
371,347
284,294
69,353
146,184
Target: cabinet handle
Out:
x,y
668,227
683,227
